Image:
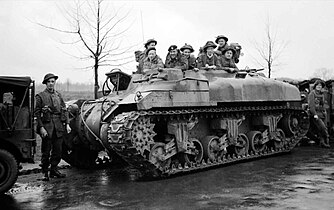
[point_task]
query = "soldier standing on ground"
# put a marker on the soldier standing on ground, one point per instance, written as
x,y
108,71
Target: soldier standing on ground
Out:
x,y
52,123
316,102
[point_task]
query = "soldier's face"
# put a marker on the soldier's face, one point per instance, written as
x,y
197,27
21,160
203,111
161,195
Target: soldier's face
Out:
x,y
50,84
173,53
209,50
228,54
151,54
318,87
186,52
221,42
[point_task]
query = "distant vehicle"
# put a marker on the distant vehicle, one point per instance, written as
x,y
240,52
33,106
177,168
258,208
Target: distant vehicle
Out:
x,y
17,136
168,121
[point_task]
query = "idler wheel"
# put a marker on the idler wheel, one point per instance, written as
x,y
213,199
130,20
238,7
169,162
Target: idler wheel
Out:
x,y
157,155
293,124
199,152
289,123
212,150
242,145
256,141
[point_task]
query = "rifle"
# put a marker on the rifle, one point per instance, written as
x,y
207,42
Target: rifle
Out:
x,y
250,70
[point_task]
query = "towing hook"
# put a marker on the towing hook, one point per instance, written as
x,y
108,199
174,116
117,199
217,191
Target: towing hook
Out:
x,y
138,96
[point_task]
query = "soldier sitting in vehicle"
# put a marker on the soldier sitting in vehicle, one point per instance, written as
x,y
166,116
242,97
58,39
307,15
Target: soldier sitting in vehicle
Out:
x,y
227,60
174,59
186,52
208,59
221,40
141,55
152,61
238,53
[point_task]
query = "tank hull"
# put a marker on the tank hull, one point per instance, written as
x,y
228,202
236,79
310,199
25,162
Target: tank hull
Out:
x,y
170,122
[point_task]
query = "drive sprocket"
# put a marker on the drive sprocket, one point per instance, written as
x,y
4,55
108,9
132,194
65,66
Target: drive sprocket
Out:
x,y
142,134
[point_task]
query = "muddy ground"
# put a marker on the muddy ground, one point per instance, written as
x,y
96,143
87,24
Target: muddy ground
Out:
x,y
303,179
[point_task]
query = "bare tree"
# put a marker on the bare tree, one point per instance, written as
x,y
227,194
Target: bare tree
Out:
x,y
324,73
270,48
68,83
99,33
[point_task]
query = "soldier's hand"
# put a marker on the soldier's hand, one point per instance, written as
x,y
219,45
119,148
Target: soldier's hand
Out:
x,y
43,132
316,117
68,128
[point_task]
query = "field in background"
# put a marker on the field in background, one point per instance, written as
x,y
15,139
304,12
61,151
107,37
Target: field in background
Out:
x,y
73,95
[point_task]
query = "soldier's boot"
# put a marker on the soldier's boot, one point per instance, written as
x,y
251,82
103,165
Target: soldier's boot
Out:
x,y
323,144
46,176
55,173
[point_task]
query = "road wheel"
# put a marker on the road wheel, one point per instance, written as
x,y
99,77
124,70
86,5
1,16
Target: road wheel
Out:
x,y
211,148
8,170
199,153
281,136
242,145
156,156
255,140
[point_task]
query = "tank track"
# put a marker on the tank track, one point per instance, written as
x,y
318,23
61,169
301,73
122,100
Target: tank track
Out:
x,y
121,127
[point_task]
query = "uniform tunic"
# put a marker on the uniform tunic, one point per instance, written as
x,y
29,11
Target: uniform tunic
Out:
x,y
50,113
204,59
142,57
155,63
220,50
178,62
227,63
316,102
192,61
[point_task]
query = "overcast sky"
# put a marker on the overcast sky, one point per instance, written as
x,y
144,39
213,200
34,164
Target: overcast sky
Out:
x,y
307,27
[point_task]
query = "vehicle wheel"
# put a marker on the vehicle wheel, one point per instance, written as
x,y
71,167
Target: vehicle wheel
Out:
x,y
293,124
242,145
8,170
255,140
289,123
281,136
156,154
211,148
195,158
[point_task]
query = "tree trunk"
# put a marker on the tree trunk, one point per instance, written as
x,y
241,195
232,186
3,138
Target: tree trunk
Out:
x,y
269,70
96,80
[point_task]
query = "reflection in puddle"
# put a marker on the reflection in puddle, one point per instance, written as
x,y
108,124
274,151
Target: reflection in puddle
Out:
x,y
302,180
110,203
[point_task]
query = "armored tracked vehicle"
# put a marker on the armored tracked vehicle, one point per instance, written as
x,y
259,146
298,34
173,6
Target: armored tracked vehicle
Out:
x,y
168,122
